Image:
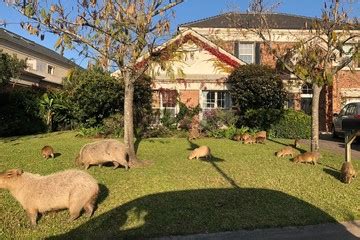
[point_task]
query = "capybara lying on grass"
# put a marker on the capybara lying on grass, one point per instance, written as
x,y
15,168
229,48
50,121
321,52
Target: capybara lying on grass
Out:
x,y
72,189
307,157
47,151
347,172
260,140
260,134
202,151
237,137
245,136
98,153
286,151
249,140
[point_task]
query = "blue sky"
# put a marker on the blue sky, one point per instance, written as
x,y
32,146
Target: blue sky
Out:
x,y
191,10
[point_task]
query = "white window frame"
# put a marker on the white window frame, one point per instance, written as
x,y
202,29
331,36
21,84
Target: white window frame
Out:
x,y
161,108
52,69
205,102
252,51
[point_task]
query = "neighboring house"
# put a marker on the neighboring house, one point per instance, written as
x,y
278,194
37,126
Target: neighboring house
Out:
x,y
211,42
45,67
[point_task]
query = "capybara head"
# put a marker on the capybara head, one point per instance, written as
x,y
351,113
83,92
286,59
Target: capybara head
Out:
x,y
9,177
192,155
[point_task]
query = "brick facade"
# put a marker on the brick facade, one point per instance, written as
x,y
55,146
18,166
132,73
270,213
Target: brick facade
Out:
x,y
190,97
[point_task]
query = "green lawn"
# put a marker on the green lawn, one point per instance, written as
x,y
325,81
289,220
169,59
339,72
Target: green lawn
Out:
x,y
245,186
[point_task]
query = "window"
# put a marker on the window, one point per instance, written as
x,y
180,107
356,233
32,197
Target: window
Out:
x,y
306,98
31,64
351,110
50,69
247,52
216,99
163,101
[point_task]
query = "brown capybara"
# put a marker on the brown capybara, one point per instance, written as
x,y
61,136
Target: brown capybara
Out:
x,y
71,189
260,140
100,152
250,140
245,136
202,151
286,151
347,172
47,151
260,134
307,157
237,137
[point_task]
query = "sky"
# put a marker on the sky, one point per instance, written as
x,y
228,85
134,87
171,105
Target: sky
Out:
x,y
190,10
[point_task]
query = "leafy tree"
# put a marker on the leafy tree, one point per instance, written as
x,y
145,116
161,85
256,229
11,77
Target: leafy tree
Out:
x,y
117,32
92,95
10,67
319,53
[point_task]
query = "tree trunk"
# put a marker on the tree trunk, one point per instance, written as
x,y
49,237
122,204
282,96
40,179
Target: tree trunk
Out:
x,y
129,120
315,117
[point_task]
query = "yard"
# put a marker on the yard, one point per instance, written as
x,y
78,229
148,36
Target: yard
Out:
x,y
244,186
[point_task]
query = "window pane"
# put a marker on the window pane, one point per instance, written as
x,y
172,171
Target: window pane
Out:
x,y
169,98
208,99
246,58
246,52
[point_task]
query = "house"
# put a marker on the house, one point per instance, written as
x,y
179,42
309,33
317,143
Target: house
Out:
x,y
45,67
216,45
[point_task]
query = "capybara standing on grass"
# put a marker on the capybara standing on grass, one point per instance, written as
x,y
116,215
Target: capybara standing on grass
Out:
x,y
260,140
260,134
98,153
72,189
347,172
307,157
47,151
202,151
250,140
286,151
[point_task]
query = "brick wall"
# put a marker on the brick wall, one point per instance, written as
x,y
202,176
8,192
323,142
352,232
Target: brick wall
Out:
x,y
344,80
190,97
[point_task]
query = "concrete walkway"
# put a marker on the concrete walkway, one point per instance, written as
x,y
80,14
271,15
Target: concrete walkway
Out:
x,y
329,231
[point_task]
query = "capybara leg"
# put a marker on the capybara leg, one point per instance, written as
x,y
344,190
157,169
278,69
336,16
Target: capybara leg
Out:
x,y
74,210
100,165
32,214
52,156
126,166
87,166
116,165
89,209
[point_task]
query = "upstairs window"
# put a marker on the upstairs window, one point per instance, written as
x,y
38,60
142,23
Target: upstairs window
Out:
x,y
31,64
50,69
246,52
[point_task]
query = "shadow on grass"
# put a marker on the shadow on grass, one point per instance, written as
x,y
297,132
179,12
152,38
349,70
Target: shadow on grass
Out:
x,y
57,155
333,172
286,145
200,211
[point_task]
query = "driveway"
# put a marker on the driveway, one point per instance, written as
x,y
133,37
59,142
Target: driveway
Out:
x,y
336,145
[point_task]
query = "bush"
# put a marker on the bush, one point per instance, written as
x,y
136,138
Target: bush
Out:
x,y
185,115
114,125
216,118
256,86
293,124
19,112
260,119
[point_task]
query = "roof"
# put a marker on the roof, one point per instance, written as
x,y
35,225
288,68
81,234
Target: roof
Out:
x,y
252,20
28,44
201,41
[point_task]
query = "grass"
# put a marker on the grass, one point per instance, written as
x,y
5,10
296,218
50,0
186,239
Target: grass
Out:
x,y
244,187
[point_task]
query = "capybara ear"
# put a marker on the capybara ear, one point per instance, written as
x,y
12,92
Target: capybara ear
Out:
x,y
14,172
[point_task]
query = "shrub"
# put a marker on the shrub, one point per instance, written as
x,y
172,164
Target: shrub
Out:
x,y
216,118
114,125
157,131
256,86
260,119
19,112
185,115
293,124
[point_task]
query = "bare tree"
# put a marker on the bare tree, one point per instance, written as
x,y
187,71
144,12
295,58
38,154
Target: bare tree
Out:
x,y
118,33
318,54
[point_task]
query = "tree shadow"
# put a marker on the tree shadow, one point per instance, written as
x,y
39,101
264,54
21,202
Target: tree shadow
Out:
x,y
301,150
200,211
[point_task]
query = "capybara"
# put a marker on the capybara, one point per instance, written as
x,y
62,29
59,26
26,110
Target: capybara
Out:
x,y
249,140
260,134
47,151
100,152
307,157
237,137
260,140
347,172
245,136
202,151
286,151
72,189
